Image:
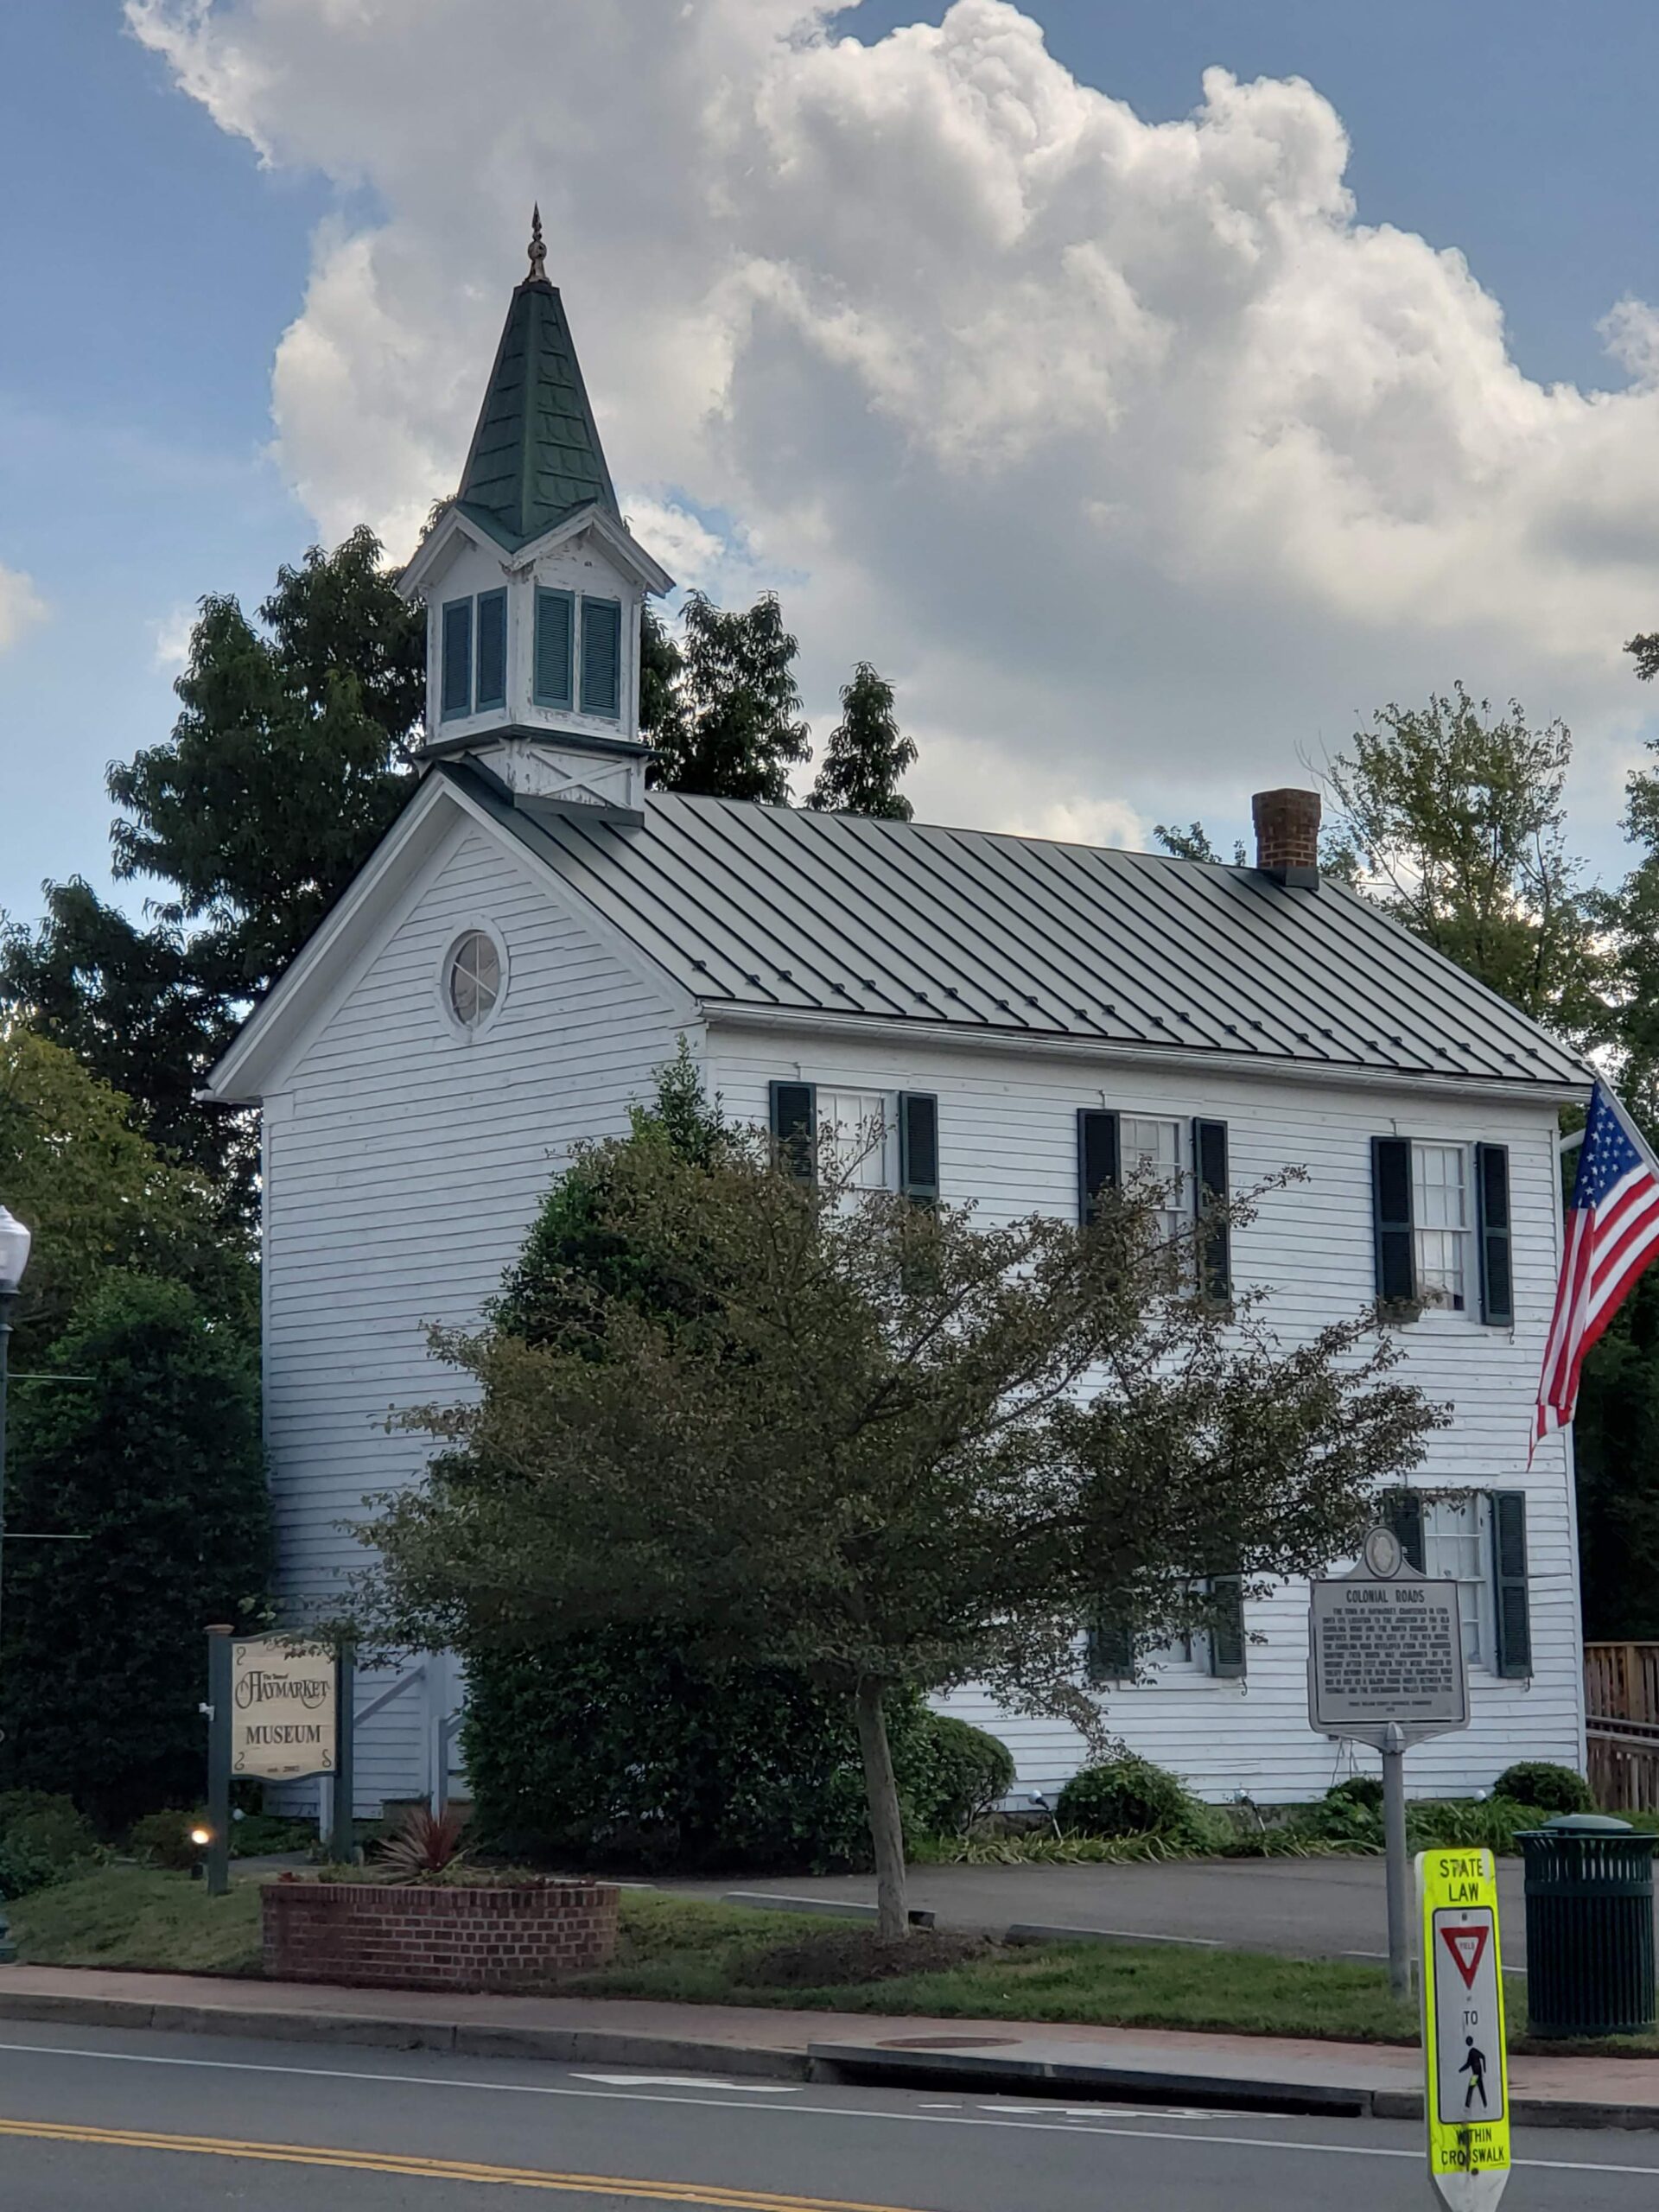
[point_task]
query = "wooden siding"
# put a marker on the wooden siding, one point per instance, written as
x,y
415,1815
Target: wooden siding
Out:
x,y
404,1159
1007,1138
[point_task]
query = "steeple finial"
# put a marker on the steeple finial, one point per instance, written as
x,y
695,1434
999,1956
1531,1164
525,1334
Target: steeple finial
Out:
x,y
538,251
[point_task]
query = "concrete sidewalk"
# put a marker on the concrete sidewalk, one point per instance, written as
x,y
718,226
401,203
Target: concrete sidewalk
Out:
x,y
1148,2065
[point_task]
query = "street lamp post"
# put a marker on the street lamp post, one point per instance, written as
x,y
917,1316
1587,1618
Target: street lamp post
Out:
x,y
14,1258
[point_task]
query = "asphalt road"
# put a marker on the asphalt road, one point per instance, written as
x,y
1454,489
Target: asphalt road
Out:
x,y
1312,1908
165,2123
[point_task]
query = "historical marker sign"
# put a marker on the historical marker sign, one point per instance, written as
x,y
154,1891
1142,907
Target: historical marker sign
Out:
x,y
1385,1649
284,1707
1466,2103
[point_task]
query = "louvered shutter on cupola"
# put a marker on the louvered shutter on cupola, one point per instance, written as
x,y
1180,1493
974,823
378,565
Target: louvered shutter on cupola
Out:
x,y
1492,1204
1097,1159
795,1128
1396,1272
554,636
602,657
492,649
456,677
1214,1240
918,1147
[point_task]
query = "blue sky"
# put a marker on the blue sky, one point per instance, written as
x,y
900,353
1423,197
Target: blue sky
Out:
x,y
151,264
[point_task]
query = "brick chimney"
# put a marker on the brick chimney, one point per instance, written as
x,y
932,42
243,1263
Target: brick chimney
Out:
x,y
1288,836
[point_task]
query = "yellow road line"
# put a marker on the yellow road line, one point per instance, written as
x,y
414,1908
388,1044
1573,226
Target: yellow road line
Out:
x,y
391,2162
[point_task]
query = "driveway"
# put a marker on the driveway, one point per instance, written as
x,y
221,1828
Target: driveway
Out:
x,y
1311,1908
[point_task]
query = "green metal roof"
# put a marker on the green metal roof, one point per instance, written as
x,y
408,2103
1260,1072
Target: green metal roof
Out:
x,y
536,456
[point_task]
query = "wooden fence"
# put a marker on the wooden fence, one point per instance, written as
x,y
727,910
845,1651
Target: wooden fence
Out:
x,y
1621,1699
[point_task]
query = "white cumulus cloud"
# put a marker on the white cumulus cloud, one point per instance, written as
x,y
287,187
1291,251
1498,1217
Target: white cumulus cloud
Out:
x,y
21,607
1139,460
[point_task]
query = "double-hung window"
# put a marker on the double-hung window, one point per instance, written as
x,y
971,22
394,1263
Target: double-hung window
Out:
x,y
1184,1161
870,1140
1441,1217
1476,1539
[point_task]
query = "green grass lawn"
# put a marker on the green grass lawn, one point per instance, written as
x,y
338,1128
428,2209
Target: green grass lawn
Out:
x,y
133,1916
681,1950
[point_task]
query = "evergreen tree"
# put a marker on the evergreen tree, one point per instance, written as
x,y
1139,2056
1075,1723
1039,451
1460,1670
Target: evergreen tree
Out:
x,y
144,1442
866,754
726,722
285,765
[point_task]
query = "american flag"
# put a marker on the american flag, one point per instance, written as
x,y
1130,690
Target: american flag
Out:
x,y
1612,1232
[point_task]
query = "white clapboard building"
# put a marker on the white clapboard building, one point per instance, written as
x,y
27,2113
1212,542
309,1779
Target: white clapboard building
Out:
x,y
538,929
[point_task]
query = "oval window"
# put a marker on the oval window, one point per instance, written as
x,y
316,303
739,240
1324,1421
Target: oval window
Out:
x,y
474,978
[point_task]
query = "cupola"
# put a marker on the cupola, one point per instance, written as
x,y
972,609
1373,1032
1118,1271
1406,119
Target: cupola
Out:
x,y
534,586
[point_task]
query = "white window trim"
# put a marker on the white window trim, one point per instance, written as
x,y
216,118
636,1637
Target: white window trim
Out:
x,y
1448,1316
470,1032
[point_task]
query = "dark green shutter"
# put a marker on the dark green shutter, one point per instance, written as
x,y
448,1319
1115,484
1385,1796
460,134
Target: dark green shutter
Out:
x,y
1109,1651
1215,1242
918,1146
1509,1577
1227,1627
456,679
492,649
555,632
1396,1270
1402,1511
795,1128
1492,1199
1097,1159
602,657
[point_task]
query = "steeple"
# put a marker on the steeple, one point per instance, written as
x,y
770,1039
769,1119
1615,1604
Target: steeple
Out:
x,y
534,585
535,458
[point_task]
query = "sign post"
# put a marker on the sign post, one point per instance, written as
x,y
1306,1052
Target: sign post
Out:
x,y
276,1710
1385,1668
1466,2100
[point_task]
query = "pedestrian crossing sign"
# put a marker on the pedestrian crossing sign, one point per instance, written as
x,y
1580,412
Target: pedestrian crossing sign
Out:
x,y
1466,2100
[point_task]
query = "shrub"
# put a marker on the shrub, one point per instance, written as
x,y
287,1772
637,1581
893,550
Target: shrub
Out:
x,y
1551,1788
426,1847
43,1839
163,1839
1361,1789
1468,1821
1128,1796
953,1773
612,1746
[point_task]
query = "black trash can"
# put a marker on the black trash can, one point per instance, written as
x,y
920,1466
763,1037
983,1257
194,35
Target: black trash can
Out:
x,y
1589,1926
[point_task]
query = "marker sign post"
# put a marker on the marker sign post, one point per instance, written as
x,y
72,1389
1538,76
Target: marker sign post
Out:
x,y
1385,1668
1466,2103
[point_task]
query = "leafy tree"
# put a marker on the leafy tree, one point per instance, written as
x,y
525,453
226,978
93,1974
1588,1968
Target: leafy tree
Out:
x,y
856,1442
148,1447
1193,844
1453,820
726,722
866,754
98,1196
284,766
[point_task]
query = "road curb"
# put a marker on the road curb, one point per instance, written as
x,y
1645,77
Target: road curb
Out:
x,y
819,2062
577,2046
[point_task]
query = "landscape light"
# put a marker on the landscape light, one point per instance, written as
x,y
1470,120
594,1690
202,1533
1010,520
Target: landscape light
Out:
x,y
14,1240
199,1836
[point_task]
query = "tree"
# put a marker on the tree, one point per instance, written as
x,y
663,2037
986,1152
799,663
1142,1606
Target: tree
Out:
x,y
857,1440
1452,820
1193,844
725,721
285,765
98,1196
145,1442
867,754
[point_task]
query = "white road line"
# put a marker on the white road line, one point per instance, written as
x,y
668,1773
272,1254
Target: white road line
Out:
x,y
791,2111
689,2081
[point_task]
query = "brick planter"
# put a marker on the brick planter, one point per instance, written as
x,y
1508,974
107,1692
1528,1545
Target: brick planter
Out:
x,y
378,1937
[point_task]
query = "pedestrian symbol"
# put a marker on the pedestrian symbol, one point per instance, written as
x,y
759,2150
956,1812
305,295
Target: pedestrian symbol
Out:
x,y
1475,2067
1465,1945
